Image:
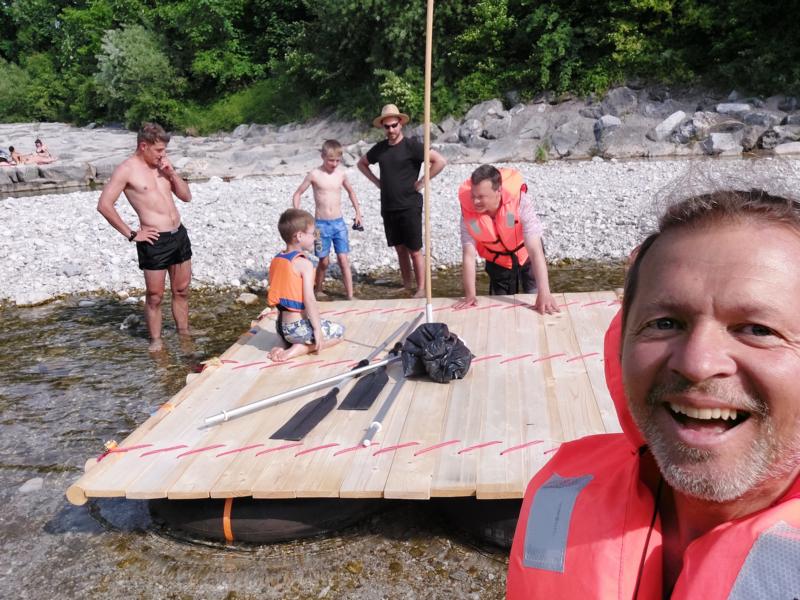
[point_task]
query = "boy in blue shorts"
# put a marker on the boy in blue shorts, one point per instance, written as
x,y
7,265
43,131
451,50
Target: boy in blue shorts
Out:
x,y
291,291
327,182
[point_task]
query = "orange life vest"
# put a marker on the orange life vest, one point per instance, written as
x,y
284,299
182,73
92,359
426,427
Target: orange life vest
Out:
x,y
285,286
589,528
498,238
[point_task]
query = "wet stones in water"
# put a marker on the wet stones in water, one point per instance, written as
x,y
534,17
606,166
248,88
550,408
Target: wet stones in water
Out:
x,y
130,322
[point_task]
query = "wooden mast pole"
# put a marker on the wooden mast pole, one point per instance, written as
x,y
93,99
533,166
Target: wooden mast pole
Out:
x,y
427,150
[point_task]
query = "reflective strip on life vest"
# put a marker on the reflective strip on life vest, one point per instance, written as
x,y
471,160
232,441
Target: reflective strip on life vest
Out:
x,y
548,522
771,568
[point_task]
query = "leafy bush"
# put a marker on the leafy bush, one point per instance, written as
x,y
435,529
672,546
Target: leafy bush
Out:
x,y
135,78
14,86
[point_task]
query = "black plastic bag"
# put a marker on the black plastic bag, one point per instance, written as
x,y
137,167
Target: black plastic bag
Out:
x,y
433,351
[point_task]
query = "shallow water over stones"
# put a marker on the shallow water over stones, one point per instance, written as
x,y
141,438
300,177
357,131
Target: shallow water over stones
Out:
x,y
71,379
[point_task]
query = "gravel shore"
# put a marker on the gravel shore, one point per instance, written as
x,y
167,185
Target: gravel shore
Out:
x,y
58,244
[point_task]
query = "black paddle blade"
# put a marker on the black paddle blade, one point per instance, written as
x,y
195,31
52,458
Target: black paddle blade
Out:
x,y
365,390
305,419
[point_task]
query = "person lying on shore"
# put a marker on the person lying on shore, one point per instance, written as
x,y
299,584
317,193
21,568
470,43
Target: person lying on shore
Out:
x,y
6,160
149,181
291,290
42,151
29,159
327,182
499,224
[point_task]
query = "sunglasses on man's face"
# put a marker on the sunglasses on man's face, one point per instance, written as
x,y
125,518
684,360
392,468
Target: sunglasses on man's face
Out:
x,y
391,125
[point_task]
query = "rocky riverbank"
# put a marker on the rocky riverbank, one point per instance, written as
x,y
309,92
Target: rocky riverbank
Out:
x,y
625,123
59,244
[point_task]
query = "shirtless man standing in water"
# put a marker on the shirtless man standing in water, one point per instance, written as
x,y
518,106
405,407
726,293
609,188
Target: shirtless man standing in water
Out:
x,y
148,180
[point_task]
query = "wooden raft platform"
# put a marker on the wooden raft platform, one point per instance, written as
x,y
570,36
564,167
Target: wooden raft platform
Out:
x,y
536,381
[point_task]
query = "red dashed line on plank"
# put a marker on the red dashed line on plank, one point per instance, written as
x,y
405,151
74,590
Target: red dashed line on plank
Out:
x,y
160,450
252,364
436,447
409,310
199,450
307,364
487,357
350,449
580,356
228,361
567,304
518,304
395,447
551,450
315,448
277,364
513,358
279,448
238,450
520,447
367,311
442,308
550,357
615,302
338,362
479,446
489,306
593,303
326,312
344,312
391,310
122,450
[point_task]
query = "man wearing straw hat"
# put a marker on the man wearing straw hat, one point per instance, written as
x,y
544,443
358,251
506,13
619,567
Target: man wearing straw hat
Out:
x,y
400,159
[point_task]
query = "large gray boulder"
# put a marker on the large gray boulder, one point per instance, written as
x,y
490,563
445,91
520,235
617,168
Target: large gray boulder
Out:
x,y
509,149
490,108
565,138
788,148
535,128
620,101
778,135
664,129
69,172
605,125
761,118
791,120
722,144
733,108
496,127
470,132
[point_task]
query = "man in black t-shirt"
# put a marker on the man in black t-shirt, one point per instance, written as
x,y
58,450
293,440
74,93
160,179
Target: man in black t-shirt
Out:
x,y
400,159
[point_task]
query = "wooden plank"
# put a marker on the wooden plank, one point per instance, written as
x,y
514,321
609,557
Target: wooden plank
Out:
x,y
503,475
574,397
590,319
369,469
455,472
411,473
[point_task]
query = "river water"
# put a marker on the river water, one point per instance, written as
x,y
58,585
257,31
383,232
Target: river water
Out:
x,y
71,378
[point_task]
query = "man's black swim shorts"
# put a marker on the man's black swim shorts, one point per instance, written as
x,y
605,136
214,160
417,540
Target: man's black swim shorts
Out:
x,y
171,248
403,227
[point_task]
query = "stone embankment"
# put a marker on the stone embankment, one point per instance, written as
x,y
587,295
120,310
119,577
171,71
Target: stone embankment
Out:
x,y
626,123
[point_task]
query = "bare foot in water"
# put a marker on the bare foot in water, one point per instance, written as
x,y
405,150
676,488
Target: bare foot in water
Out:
x,y
420,293
156,345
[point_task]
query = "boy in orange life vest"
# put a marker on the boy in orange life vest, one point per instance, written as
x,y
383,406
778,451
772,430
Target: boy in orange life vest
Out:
x,y
499,224
291,290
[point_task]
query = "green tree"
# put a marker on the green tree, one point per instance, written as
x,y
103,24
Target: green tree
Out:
x,y
135,78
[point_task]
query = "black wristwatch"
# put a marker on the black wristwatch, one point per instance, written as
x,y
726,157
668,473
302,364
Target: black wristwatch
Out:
x,y
132,235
